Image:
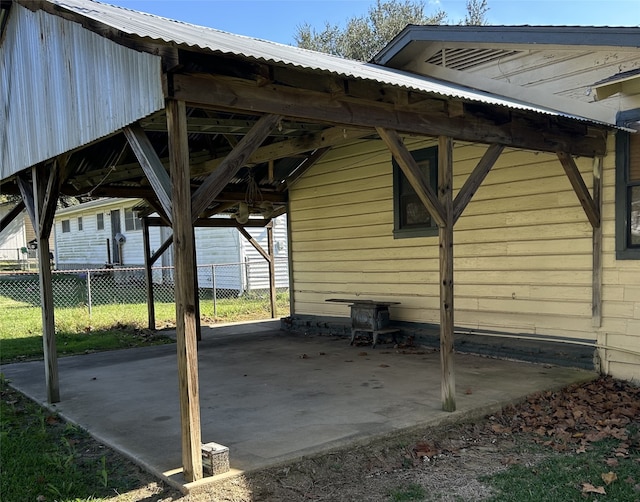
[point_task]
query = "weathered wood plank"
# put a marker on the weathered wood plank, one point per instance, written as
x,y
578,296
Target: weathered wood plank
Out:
x,y
165,245
253,242
596,287
272,271
216,181
445,232
153,221
475,179
308,164
415,177
288,148
42,224
148,278
185,295
151,165
534,133
580,188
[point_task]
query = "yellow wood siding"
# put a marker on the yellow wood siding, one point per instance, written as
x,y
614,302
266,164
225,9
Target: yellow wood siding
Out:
x,y
522,248
621,292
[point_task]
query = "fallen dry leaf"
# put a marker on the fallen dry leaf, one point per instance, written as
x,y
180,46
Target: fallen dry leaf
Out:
x,y
609,477
589,488
612,462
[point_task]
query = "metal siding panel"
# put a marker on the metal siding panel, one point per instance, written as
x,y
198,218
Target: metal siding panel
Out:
x,y
64,86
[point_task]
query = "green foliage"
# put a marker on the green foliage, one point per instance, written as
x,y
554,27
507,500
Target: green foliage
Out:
x,y
364,36
45,458
412,491
561,478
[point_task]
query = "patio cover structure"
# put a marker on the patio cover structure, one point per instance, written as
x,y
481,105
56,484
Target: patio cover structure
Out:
x,y
106,102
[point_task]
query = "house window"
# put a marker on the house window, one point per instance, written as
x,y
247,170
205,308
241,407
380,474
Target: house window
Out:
x,y
100,221
66,226
131,221
80,223
411,218
628,188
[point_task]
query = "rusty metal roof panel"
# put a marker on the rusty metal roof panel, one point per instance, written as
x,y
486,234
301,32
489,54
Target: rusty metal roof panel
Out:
x,y
188,35
61,87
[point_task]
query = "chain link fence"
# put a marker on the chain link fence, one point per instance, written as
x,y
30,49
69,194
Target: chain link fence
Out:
x,y
227,292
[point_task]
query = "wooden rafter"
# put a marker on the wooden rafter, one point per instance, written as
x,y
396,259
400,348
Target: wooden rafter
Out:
x,y
216,181
304,166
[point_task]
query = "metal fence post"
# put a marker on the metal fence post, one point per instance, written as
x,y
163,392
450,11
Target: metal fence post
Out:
x,y
215,295
89,291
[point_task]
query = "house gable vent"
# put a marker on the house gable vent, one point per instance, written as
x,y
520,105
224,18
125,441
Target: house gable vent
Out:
x,y
466,58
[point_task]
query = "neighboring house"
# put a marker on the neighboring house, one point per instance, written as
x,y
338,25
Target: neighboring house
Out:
x,y
524,260
105,232
15,238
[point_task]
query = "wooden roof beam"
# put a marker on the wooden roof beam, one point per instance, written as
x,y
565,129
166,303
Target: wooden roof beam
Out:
x,y
525,130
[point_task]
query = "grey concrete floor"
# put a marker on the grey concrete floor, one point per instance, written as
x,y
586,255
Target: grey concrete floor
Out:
x,y
272,396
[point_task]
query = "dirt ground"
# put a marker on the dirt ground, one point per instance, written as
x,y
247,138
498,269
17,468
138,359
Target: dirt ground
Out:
x,y
447,463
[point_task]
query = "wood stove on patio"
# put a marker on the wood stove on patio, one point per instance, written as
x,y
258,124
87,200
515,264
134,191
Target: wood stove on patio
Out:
x,y
370,316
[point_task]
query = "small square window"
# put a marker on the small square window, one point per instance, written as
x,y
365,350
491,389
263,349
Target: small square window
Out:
x,y
100,221
80,223
411,218
628,188
66,226
131,221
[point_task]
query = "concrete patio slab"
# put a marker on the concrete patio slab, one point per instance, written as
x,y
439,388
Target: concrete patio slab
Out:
x,y
273,396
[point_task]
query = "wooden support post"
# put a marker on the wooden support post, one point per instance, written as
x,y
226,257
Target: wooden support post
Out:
x,y
185,298
196,291
596,288
272,270
40,199
445,195
148,278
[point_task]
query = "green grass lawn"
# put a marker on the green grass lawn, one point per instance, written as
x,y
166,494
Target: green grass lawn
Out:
x,y
111,326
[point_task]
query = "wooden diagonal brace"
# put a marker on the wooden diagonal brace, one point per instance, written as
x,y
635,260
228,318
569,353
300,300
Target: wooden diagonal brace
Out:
x,y
413,173
218,179
151,165
579,187
254,242
475,179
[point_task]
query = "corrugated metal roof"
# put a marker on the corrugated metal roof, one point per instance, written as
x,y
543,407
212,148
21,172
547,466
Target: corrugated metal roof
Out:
x,y
188,35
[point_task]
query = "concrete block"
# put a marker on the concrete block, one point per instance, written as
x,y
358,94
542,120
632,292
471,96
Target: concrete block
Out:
x,y
215,459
